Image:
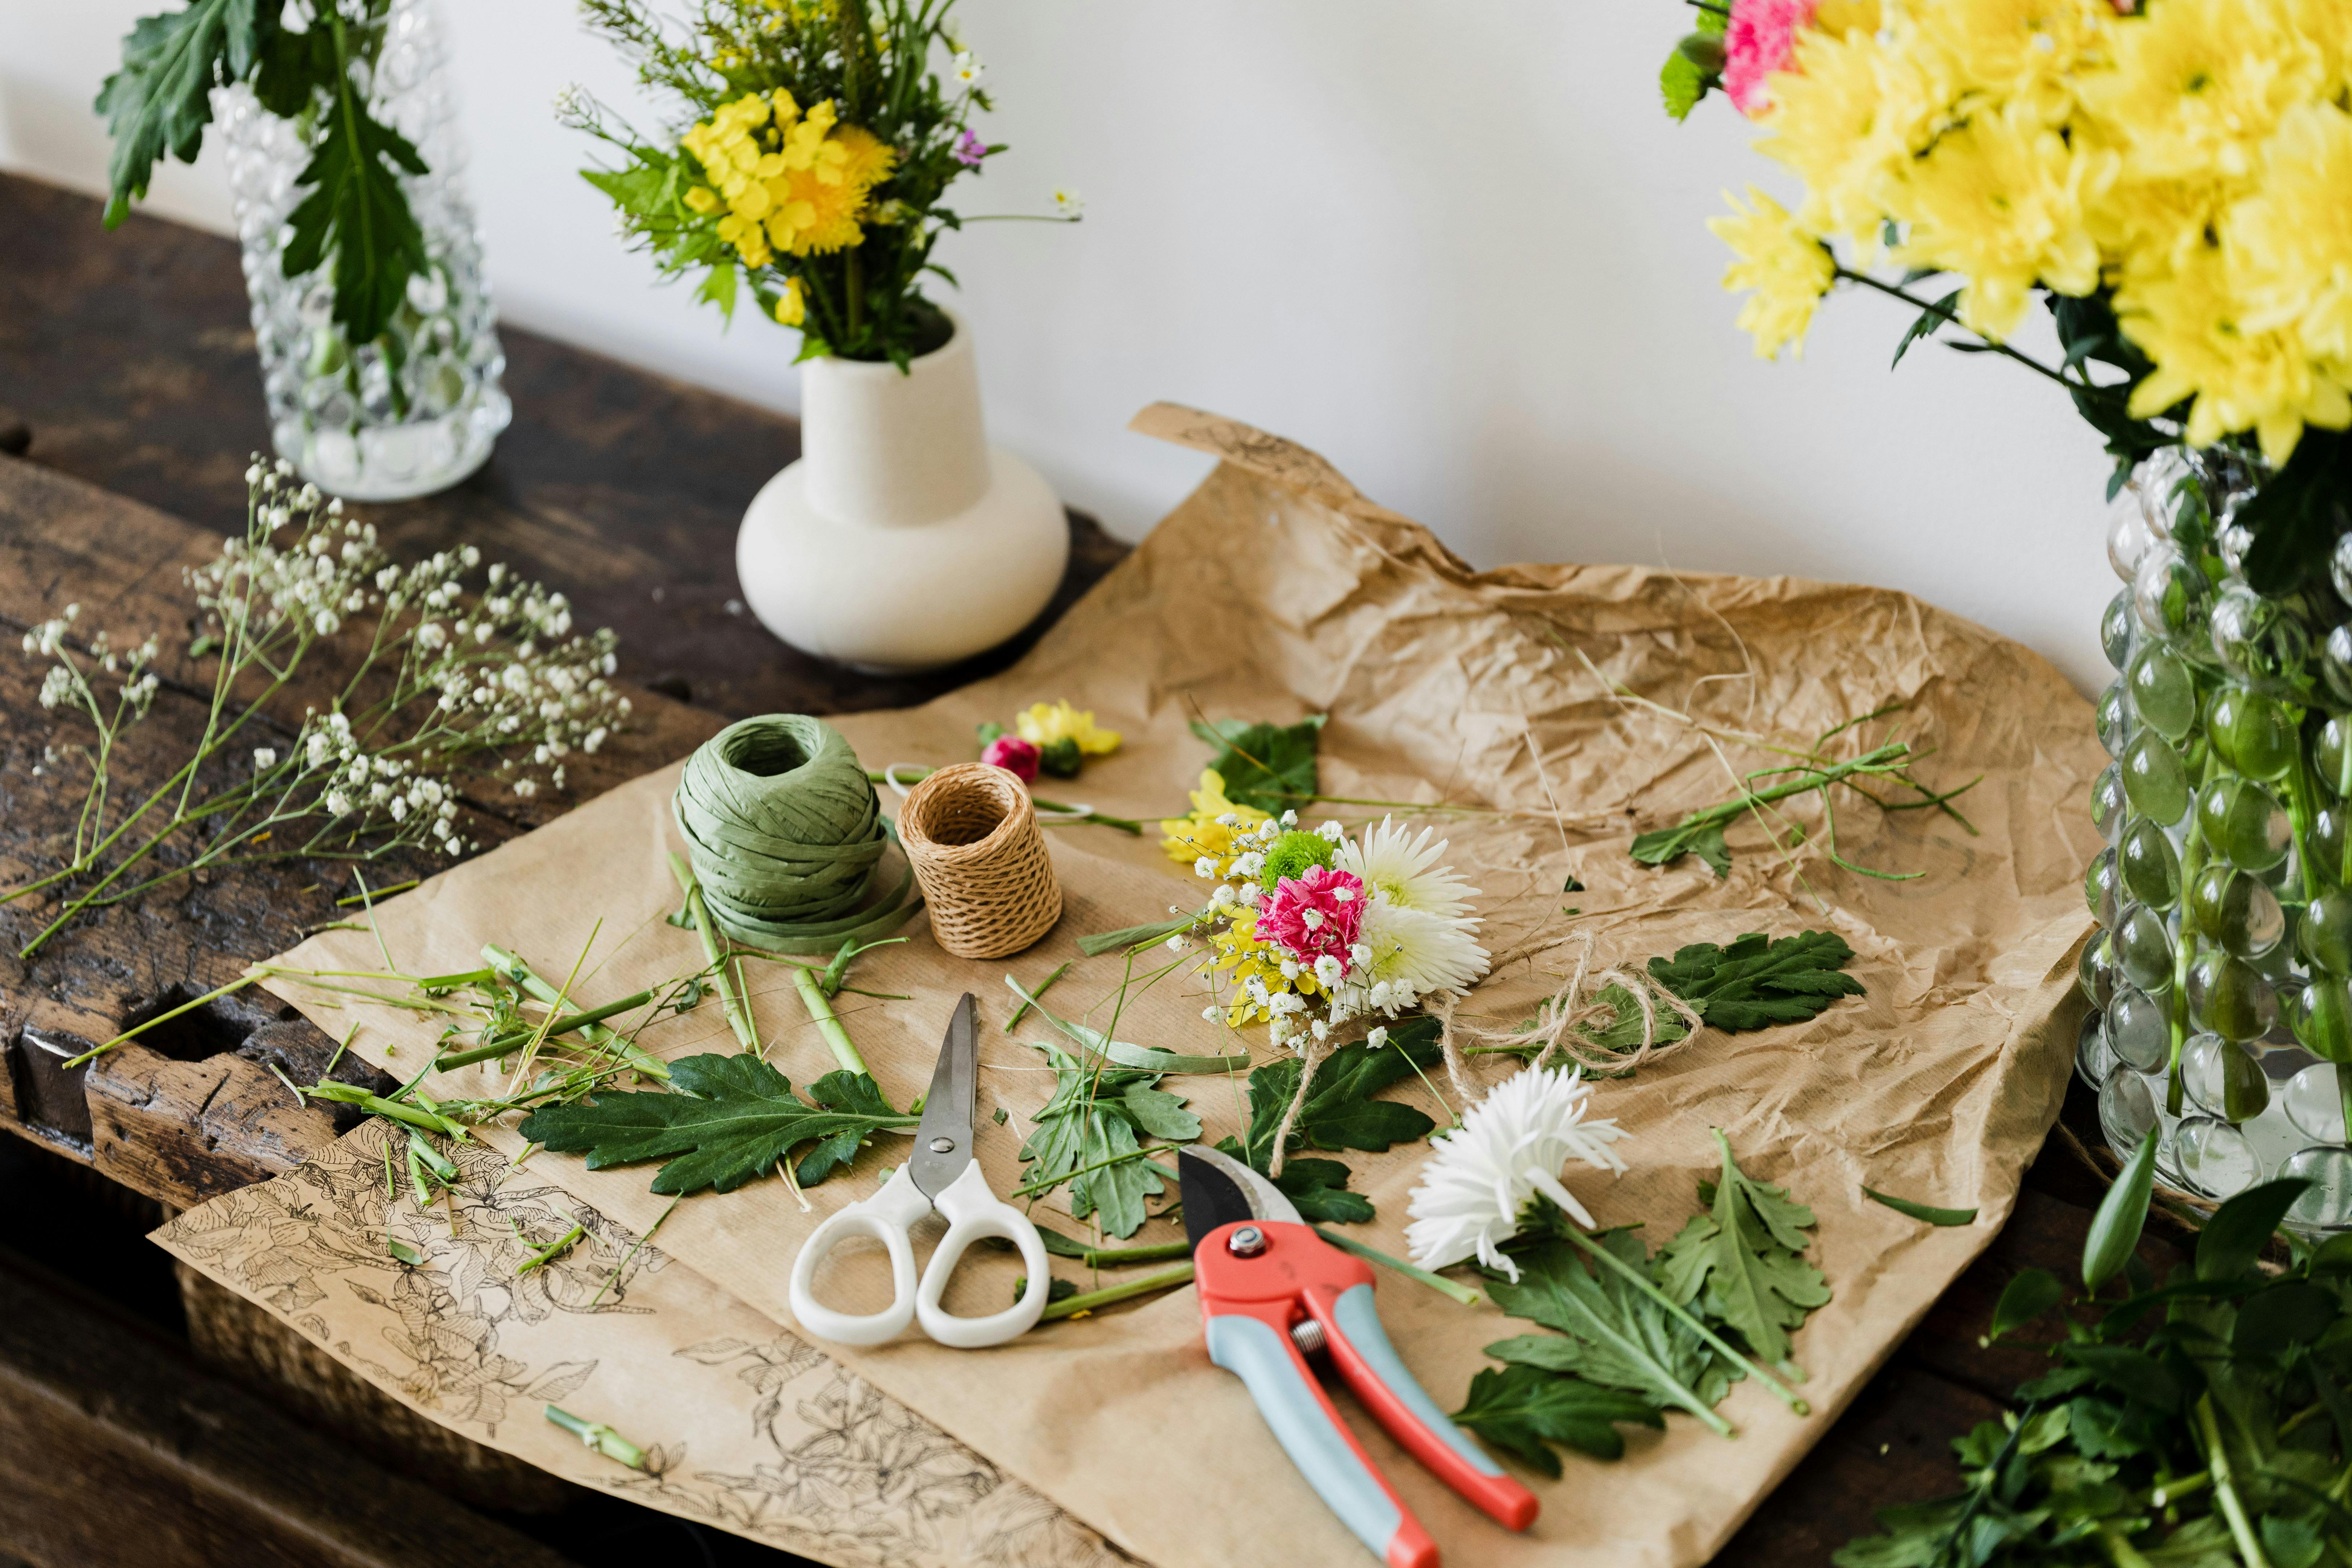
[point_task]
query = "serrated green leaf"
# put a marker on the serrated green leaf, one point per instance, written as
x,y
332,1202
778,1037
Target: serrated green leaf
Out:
x,y
1757,981
1087,1135
1606,1332
1341,1112
1162,1114
160,101
1743,1259
1265,766
724,1121
1665,846
1317,1189
1524,1410
1682,84
357,214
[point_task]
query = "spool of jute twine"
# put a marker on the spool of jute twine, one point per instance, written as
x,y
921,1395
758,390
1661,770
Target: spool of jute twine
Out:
x,y
972,835
786,836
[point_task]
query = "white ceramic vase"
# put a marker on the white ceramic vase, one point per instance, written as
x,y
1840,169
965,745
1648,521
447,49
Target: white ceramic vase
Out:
x,y
901,539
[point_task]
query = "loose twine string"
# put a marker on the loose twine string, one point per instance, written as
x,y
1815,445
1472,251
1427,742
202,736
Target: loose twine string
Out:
x,y
1566,1025
786,836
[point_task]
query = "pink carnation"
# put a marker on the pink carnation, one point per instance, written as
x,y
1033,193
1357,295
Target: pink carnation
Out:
x,y
1314,915
1761,38
1015,755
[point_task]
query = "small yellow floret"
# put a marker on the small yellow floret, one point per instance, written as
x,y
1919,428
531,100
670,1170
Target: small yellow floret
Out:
x,y
1789,269
1190,837
1042,724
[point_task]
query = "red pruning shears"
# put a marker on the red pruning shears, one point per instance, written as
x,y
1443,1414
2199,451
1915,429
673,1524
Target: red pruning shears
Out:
x,y
1273,1293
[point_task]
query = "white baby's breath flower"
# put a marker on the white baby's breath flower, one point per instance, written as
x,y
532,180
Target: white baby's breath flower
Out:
x,y
526,788
1328,970
1509,1147
265,758
1206,866
1377,1037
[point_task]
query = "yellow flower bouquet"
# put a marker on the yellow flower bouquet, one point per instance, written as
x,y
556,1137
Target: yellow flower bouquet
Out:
x,y
818,147
2172,179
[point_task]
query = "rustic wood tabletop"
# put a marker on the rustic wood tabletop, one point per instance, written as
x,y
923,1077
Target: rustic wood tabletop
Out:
x,y
129,403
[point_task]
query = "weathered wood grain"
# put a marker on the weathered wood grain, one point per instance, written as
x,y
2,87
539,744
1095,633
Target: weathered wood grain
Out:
x,y
119,1452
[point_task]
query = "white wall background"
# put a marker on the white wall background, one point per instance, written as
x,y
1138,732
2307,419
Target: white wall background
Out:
x,y
1456,248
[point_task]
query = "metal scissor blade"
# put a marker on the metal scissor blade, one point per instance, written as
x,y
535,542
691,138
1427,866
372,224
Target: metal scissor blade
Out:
x,y
943,1138
1218,1189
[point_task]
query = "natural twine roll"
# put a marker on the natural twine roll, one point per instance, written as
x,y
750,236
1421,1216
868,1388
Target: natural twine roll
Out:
x,y
972,835
786,835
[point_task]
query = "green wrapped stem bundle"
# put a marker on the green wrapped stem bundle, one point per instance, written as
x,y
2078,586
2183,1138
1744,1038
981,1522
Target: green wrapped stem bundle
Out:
x,y
786,836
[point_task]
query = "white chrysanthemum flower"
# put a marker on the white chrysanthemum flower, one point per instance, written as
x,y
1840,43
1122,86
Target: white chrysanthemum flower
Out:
x,y
1509,1147
1415,953
1406,869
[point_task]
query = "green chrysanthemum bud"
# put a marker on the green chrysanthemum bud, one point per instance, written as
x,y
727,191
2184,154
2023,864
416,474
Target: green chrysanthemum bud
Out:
x,y
1060,758
1292,854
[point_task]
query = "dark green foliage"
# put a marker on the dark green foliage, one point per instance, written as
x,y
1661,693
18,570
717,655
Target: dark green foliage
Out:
x,y
725,1121
2204,1422
1743,1259
1926,1213
1756,982
357,212
1340,1113
1522,1411
160,99
1098,1118
1264,766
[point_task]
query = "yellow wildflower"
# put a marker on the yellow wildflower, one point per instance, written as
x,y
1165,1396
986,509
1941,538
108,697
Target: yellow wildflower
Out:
x,y
2294,236
2023,48
1844,121
1043,723
791,180
2192,325
792,305
1789,269
1190,837
1999,200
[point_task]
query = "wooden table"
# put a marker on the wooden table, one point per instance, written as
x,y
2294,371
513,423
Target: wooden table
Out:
x,y
130,396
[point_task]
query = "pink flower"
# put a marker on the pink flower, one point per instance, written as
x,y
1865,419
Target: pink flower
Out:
x,y
969,150
1314,915
1015,755
1761,38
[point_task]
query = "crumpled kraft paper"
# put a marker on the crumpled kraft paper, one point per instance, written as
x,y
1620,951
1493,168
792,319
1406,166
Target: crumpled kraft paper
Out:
x,y
1540,717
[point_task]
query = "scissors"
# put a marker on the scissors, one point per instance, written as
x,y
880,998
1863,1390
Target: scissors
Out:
x,y
1274,1293
940,1175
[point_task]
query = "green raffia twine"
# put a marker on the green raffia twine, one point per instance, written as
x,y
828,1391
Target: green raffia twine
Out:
x,y
786,836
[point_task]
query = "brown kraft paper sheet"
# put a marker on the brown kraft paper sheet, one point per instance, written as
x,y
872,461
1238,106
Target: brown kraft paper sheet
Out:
x,y
1275,591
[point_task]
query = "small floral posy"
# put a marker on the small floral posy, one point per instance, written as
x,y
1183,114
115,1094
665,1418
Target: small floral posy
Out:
x,y
448,679
1046,737
1308,931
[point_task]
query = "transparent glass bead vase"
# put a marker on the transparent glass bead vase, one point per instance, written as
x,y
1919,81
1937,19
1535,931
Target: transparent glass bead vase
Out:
x,y
417,408
2221,977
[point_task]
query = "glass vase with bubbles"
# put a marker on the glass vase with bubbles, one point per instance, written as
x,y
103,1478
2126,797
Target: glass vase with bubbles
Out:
x,y
2221,977
415,408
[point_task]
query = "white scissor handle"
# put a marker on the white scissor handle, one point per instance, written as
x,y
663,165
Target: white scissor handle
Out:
x,y
973,1211
886,1218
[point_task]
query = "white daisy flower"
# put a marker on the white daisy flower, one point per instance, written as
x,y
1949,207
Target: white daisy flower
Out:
x,y
1509,1147
1406,869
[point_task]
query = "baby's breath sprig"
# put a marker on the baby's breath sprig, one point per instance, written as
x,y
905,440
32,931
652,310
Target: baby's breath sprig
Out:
x,y
451,676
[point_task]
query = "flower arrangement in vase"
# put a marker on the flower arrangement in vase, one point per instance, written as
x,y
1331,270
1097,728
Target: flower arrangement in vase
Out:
x,y
816,147
2172,181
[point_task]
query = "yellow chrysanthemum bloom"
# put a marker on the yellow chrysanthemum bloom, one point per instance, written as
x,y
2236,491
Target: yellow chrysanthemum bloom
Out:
x,y
2199,84
1190,837
1043,723
1789,269
2192,324
1839,17
2293,239
2000,201
1844,121
2007,49
789,181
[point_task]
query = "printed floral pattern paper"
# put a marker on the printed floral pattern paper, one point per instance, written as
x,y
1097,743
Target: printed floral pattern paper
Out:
x,y
745,1428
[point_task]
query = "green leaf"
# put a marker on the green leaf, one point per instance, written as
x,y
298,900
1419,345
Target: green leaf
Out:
x,y
855,1094
1524,1410
2269,1322
2031,1293
2129,1372
160,99
404,1252
294,66
2234,1238
1119,1052
2115,1229
1087,1135
1341,1112
1744,1256
2292,1541
1921,1212
1756,982
1665,846
1269,768
1682,84
1162,1114
358,213
1607,1331
1317,1189
725,1121
1933,317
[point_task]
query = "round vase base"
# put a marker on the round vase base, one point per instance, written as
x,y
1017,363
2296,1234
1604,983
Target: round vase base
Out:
x,y
898,600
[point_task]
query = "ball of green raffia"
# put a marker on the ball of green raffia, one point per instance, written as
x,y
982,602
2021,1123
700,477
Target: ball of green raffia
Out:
x,y
785,833
1292,854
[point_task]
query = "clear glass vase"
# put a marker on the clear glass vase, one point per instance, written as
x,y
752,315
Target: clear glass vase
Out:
x,y
2220,980
417,409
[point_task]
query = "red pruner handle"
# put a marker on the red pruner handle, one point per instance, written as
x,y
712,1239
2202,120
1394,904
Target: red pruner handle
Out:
x,y
1361,1352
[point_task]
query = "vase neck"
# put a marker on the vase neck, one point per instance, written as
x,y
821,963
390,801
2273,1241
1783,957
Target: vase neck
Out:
x,y
889,449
